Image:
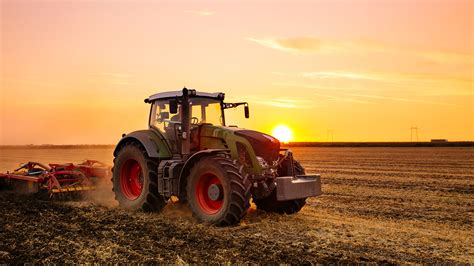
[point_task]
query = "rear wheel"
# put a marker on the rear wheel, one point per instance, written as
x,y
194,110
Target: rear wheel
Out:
x,y
135,179
218,191
271,204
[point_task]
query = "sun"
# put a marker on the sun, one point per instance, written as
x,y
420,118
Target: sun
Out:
x,y
282,133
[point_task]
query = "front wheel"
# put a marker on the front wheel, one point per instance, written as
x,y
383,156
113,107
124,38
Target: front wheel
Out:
x,y
135,179
218,191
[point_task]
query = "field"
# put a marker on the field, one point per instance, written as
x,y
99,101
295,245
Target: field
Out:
x,y
385,205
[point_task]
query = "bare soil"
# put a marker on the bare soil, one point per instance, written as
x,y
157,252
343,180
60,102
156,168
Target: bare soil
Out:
x,y
384,205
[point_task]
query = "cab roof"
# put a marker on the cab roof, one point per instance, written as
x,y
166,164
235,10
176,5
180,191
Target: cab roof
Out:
x,y
174,94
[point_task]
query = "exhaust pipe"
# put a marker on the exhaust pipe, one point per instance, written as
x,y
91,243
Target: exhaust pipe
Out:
x,y
186,123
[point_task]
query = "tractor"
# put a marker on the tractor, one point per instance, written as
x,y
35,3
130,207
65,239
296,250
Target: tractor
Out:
x,y
189,153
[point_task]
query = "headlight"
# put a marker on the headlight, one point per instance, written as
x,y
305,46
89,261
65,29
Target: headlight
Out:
x,y
262,162
244,156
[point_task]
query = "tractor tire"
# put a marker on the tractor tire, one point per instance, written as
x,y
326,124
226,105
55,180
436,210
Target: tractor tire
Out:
x,y
218,190
135,180
271,204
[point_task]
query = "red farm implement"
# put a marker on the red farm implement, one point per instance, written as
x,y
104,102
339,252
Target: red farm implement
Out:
x,y
34,177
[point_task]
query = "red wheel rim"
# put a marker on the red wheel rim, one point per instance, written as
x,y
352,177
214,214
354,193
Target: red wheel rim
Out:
x,y
131,179
204,183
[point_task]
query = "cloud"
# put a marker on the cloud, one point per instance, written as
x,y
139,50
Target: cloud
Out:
x,y
363,95
283,102
313,45
399,99
395,77
202,13
299,45
422,83
343,99
317,87
338,75
450,92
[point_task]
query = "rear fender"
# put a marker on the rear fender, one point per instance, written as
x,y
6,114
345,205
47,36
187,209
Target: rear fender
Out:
x,y
153,143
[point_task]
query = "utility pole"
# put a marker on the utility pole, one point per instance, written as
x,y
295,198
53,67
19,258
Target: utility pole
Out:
x,y
330,135
414,129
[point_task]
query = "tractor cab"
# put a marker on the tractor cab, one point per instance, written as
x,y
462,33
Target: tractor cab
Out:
x,y
167,116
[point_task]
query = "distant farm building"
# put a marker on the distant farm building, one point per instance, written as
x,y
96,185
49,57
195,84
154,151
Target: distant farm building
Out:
x,y
439,140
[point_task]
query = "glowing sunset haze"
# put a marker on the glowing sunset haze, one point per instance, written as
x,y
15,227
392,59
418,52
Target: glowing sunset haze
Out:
x,y
76,72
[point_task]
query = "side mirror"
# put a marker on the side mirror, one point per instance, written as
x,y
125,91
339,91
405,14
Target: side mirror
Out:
x,y
246,110
173,106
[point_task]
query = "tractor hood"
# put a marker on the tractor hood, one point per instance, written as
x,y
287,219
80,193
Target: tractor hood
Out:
x,y
263,145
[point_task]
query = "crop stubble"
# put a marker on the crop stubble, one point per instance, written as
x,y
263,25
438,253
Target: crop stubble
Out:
x,y
390,205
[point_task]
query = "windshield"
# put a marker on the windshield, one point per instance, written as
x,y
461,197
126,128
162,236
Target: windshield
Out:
x,y
203,110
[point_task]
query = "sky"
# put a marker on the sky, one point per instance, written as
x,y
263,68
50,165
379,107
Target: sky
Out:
x,y
76,72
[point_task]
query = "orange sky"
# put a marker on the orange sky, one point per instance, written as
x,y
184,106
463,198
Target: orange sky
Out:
x,y
78,71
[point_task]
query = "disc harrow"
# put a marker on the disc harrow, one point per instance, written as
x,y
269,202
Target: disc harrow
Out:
x,y
56,180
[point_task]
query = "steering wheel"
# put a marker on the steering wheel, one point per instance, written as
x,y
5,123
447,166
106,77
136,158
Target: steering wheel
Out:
x,y
194,120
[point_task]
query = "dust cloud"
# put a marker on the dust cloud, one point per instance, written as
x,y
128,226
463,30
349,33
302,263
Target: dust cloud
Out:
x,y
102,195
175,208
105,197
